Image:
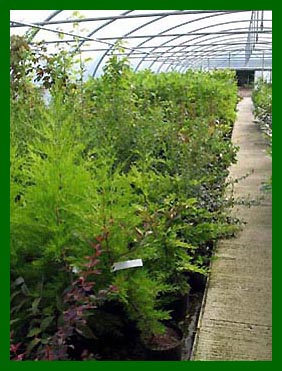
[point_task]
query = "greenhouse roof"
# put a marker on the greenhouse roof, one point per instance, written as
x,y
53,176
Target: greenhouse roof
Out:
x,y
162,40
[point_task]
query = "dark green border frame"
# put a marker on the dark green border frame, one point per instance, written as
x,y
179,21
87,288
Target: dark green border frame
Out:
x,y
4,184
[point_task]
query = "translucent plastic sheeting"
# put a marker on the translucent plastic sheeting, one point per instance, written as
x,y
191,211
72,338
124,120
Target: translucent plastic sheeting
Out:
x,y
162,40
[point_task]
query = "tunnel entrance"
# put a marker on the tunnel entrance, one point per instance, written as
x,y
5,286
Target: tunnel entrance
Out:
x,y
245,78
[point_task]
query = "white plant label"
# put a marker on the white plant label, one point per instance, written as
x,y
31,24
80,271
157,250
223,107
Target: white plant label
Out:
x,y
127,264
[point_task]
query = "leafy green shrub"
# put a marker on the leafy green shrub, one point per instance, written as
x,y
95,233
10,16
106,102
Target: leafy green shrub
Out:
x,y
135,163
262,100
67,201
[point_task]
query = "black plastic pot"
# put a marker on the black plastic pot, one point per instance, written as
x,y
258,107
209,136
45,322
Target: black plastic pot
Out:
x,y
157,351
179,307
197,282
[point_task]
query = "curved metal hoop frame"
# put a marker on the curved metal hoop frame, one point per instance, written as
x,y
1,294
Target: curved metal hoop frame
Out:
x,y
200,46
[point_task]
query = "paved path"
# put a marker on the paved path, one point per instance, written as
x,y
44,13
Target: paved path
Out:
x,y
236,318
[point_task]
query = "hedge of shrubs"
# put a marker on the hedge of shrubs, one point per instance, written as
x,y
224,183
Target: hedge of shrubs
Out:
x,y
126,166
262,100
262,109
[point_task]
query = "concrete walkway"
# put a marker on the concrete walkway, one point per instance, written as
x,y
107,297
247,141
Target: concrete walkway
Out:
x,y
236,319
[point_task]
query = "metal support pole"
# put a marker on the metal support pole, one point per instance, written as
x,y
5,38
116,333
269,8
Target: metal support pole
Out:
x,y
257,26
263,65
261,21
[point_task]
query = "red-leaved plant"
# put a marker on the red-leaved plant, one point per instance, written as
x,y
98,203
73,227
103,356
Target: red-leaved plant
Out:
x,y
79,299
15,353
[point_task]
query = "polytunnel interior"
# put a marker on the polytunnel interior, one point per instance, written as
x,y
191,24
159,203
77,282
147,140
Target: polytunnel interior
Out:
x,y
167,173
161,40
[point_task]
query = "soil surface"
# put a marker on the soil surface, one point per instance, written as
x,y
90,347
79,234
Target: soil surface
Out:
x,y
169,339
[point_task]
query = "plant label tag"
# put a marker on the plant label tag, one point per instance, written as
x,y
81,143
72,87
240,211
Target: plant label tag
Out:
x,y
127,264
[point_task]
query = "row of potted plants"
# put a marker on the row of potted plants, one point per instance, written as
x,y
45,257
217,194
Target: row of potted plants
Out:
x,y
117,195
262,110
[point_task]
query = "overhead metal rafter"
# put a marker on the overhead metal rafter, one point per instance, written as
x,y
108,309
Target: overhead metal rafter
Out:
x,y
235,55
51,16
101,27
178,36
227,60
253,36
100,39
222,37
265,56
219,62
136,49
165,14
185,23
198,46
214,58
200,59
123,16
187,52
228,32
190,21
86,38
192,33
127,34
222,51
208,52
